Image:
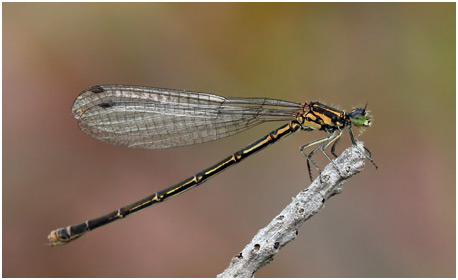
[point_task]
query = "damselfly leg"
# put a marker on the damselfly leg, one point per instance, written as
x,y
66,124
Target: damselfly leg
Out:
x,y
322,144
333,148
368,156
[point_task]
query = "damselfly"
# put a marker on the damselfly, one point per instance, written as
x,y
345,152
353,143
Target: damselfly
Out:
x,y
156,118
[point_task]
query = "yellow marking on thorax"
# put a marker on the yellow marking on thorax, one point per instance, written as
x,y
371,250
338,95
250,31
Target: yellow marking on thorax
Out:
x,y
326,119
311,124
311,116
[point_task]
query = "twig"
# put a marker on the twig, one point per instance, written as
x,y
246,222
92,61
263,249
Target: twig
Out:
x,y
283,228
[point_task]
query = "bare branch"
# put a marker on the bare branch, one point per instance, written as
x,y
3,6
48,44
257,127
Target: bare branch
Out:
x,y
283,228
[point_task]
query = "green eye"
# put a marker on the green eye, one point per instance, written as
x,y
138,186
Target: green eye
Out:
x,y
359,121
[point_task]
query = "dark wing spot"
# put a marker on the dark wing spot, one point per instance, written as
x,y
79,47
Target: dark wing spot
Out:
x,y
96,89
106,105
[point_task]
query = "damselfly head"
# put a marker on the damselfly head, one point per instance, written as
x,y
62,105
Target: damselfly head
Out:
x,y
359,117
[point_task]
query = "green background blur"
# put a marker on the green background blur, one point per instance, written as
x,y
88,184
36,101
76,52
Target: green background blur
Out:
x,y
397,221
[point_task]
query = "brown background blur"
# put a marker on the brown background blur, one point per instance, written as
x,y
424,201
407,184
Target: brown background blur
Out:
x,y
398,221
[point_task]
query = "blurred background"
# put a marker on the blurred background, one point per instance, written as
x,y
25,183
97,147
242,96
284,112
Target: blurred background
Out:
x,y
397,221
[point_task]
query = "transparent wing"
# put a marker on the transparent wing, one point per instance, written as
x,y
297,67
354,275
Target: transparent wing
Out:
x,y
155,118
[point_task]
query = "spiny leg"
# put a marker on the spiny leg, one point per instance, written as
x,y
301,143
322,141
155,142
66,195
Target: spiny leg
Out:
x,y
308,156
369,152
363,152
334,137
333,148
328,140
